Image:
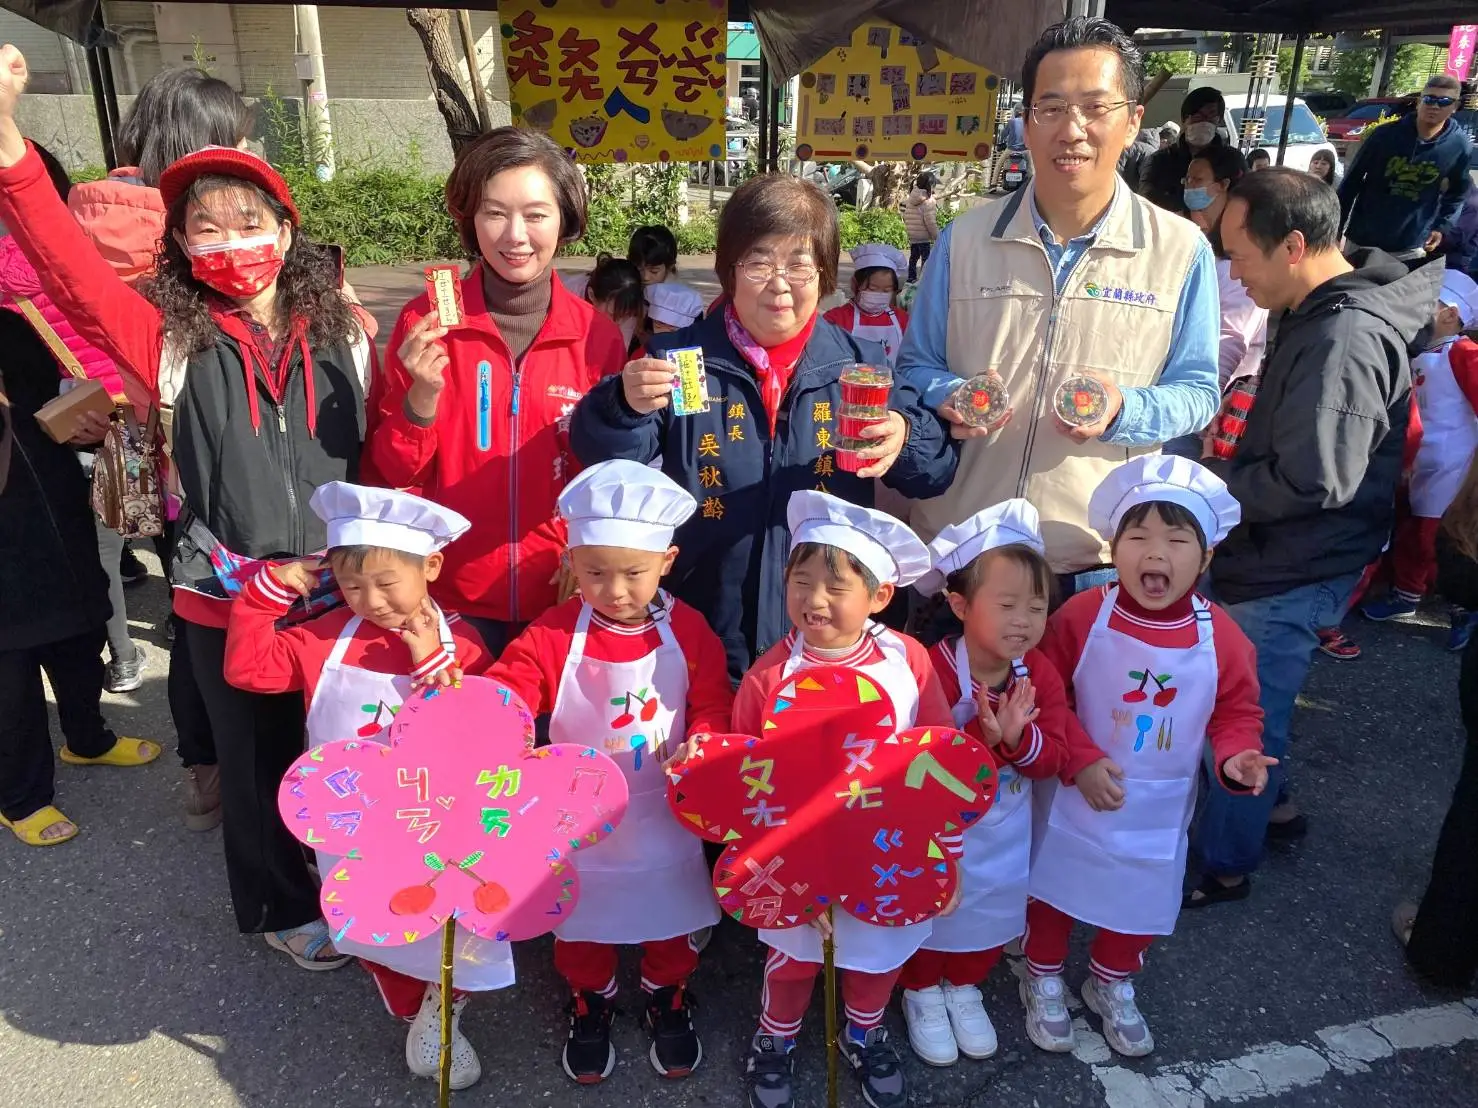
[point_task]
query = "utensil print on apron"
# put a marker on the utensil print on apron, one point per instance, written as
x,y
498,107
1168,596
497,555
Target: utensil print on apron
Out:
x,y
997,858
649,880
861,946
351,702
1123,869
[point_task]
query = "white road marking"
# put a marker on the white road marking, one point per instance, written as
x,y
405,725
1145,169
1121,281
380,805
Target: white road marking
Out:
x,y
1279,1067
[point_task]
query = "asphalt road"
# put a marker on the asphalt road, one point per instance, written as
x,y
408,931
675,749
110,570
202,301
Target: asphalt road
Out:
x,y
124,984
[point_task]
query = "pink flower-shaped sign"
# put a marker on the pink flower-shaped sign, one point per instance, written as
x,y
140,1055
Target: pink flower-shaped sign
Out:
x,y
453,815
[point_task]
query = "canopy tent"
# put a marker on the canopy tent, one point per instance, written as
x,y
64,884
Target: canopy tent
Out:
x,y
1314,17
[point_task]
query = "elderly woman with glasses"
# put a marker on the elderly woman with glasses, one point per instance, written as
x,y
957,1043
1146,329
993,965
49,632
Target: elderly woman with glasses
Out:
x,y
770,424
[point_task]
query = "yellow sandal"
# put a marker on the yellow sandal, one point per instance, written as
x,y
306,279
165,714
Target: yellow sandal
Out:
x,y
125,752
29,830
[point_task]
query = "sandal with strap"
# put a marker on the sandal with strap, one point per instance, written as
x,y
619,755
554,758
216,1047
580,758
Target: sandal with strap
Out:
x,y
31,829
1211,891
124,752
315,940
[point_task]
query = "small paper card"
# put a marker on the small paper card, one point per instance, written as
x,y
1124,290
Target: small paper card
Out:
x,y
690,382
444,288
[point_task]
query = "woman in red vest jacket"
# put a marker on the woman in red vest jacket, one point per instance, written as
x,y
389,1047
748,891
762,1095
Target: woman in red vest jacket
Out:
x,y
475,414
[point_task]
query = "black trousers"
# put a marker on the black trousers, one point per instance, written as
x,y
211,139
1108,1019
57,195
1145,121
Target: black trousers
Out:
x,y
196,744
27,760
918,254
1444,941
257,738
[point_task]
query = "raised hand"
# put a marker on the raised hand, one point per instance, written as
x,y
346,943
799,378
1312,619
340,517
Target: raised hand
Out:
x,y
1250,768
14,73
425,358
301,576
1102,785
647,384
888,440
686,751
1016,709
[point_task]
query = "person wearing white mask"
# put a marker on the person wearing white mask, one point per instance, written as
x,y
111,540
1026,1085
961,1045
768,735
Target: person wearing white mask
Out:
x,y
845,563
624,660
1156,675
354,667
993,569
873,312
1203,113
671,306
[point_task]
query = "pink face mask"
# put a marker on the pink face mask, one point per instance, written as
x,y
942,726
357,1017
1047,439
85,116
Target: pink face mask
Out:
x,y
240,268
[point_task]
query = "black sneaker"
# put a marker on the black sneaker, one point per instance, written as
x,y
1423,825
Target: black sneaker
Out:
x,y
589,1056
768,1072
878,1066
676,1050
130,570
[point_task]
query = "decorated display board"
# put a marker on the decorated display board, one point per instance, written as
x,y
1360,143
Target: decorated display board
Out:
x,y
890,96
620,80
450,813
831,805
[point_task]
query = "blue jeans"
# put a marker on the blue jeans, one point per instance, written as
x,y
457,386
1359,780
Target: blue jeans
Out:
x,y
1284,631
1070,584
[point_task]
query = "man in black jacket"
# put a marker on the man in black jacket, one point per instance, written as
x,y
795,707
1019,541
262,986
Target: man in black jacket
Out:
x,y
1315,471
1162,177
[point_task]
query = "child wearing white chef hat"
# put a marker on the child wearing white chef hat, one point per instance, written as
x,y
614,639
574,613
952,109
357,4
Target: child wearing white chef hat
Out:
x,y
626,663
354,666
1005,693
1445,377
671,306
845,563
1154,672
873,313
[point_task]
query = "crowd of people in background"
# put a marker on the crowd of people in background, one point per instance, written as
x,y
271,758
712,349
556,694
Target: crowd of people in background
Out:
x,y
1290,394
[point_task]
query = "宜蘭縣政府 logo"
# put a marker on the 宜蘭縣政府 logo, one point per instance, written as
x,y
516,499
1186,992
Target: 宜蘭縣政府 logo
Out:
x,y
1119,294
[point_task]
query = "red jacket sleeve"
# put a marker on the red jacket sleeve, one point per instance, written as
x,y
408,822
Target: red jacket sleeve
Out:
x,y
1463,357
710,707
934,708
473,657
530,665
1236,720
754,691
260,658
1062,645
401,453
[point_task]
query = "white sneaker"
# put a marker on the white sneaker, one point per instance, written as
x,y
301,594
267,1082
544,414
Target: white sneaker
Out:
x,y
1123,1026
423,1043
929,1026
974,1033
1047,1021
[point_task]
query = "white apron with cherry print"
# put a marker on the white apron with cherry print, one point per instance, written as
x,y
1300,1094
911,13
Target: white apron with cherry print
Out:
x,y
1147,708
1449,434
648,880
889,334
860,946
350,702
997,858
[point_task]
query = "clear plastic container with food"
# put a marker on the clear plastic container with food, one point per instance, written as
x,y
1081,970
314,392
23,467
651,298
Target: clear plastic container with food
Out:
x,y
865,390
1080,401
982,401
847,450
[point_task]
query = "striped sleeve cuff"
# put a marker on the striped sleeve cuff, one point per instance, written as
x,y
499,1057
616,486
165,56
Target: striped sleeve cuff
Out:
x,y
432,665
266,589
954,844
1028,751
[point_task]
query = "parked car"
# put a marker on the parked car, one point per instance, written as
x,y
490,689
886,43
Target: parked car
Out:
x,y
1327,105
1347,129
1305,136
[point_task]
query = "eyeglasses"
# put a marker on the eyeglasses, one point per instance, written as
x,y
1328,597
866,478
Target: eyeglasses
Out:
x,y
1439,101
1049,113
760,272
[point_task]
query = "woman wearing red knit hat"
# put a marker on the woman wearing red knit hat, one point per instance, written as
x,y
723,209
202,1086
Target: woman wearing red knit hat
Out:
x,y
244,339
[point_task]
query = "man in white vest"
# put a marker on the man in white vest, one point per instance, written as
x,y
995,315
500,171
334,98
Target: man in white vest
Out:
x,y
1074,274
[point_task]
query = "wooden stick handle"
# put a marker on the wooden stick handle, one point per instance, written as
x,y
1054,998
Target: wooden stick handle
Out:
x,y
829,970
448,944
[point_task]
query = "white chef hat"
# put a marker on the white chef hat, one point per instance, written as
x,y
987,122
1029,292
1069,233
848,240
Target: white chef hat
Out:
x,y
1461,292
625,504
885,546
1168,478
868,254
358,515
1009,523
673,303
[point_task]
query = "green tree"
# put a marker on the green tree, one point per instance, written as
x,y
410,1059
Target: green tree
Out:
x,y
1176,61
1285,69
1413,64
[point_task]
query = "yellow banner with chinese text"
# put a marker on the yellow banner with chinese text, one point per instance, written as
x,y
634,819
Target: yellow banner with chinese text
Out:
x,y
891,96
620,80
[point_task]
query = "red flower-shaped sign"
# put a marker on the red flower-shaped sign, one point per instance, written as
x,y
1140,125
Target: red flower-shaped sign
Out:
x,y
454,815
832,805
